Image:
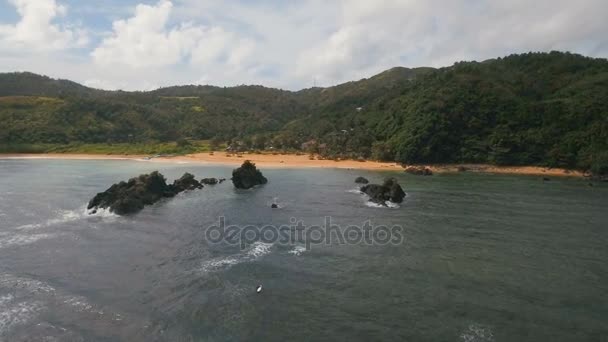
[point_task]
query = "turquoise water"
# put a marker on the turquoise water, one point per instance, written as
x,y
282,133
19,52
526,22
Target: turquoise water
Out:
x,y
484,258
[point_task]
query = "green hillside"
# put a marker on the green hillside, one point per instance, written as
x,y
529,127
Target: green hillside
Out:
x,y
548,109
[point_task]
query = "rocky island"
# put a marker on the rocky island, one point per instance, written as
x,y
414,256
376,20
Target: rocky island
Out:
x,y
247,176
130,197
390,190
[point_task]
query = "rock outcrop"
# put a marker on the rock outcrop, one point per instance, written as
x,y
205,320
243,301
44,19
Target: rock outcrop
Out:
x,y
185,182
390,190
209,181
418,170
130,197
247,176
361,180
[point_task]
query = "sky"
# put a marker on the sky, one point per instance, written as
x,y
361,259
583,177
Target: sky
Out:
x,y
289,44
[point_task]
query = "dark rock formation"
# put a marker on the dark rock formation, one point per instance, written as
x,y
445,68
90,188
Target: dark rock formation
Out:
x,y
390,190
274,206
222,180
247,176
419,170
361,180
185,182
209,181
131,196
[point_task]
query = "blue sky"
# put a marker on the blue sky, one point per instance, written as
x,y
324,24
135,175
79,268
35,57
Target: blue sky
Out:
x,y
288,44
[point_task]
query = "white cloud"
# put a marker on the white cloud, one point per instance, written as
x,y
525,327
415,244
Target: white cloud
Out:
x,y
145,40
288,44
375,35
37,30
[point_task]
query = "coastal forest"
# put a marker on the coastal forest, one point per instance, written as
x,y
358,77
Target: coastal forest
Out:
x,y
545,109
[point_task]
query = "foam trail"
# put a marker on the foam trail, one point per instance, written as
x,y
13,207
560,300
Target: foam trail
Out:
x,y
23,239
65,216
255,251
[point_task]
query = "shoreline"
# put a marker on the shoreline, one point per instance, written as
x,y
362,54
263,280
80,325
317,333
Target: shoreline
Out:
x,y
303,161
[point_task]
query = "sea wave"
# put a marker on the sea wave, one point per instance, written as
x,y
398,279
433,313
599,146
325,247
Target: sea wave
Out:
x,y
65,216
297,250
24,239
13,313
388,204
254,252
21,287
477,333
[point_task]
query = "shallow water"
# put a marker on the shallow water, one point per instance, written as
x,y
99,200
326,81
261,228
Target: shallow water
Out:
x,y
485,258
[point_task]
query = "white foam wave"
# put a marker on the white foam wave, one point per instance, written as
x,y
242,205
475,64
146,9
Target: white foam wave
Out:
x,y
11,282
259,249
65,216
355,191
62,217
212,265
255,251
105,213
6,299
24,239
297,250
13,314
35,287
388,204
477,333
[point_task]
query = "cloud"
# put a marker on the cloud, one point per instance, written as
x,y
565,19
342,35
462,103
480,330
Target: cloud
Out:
x,y
37,30
375,35
145,40
289,44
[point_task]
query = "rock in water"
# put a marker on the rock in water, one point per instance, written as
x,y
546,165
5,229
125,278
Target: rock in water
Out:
x,y
209,181
390,190
185,182
361,180
247,176
130,197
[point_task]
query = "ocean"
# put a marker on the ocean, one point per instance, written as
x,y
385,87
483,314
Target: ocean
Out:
x,y
479,258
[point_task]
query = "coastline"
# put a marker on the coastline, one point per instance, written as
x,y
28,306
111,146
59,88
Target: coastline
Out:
x,y
303,161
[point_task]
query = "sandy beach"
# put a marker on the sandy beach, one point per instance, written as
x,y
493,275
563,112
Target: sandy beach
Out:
x,y
304,161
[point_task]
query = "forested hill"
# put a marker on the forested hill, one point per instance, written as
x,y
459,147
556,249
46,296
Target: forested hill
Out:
x,y
546,109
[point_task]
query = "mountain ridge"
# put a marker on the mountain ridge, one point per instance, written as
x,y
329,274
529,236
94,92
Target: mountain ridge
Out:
x,y
545,109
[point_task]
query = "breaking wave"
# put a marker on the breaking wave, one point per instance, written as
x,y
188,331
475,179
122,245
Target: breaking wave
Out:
x,y
297,250
13,312
65,216
388,204
24,239
254,252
